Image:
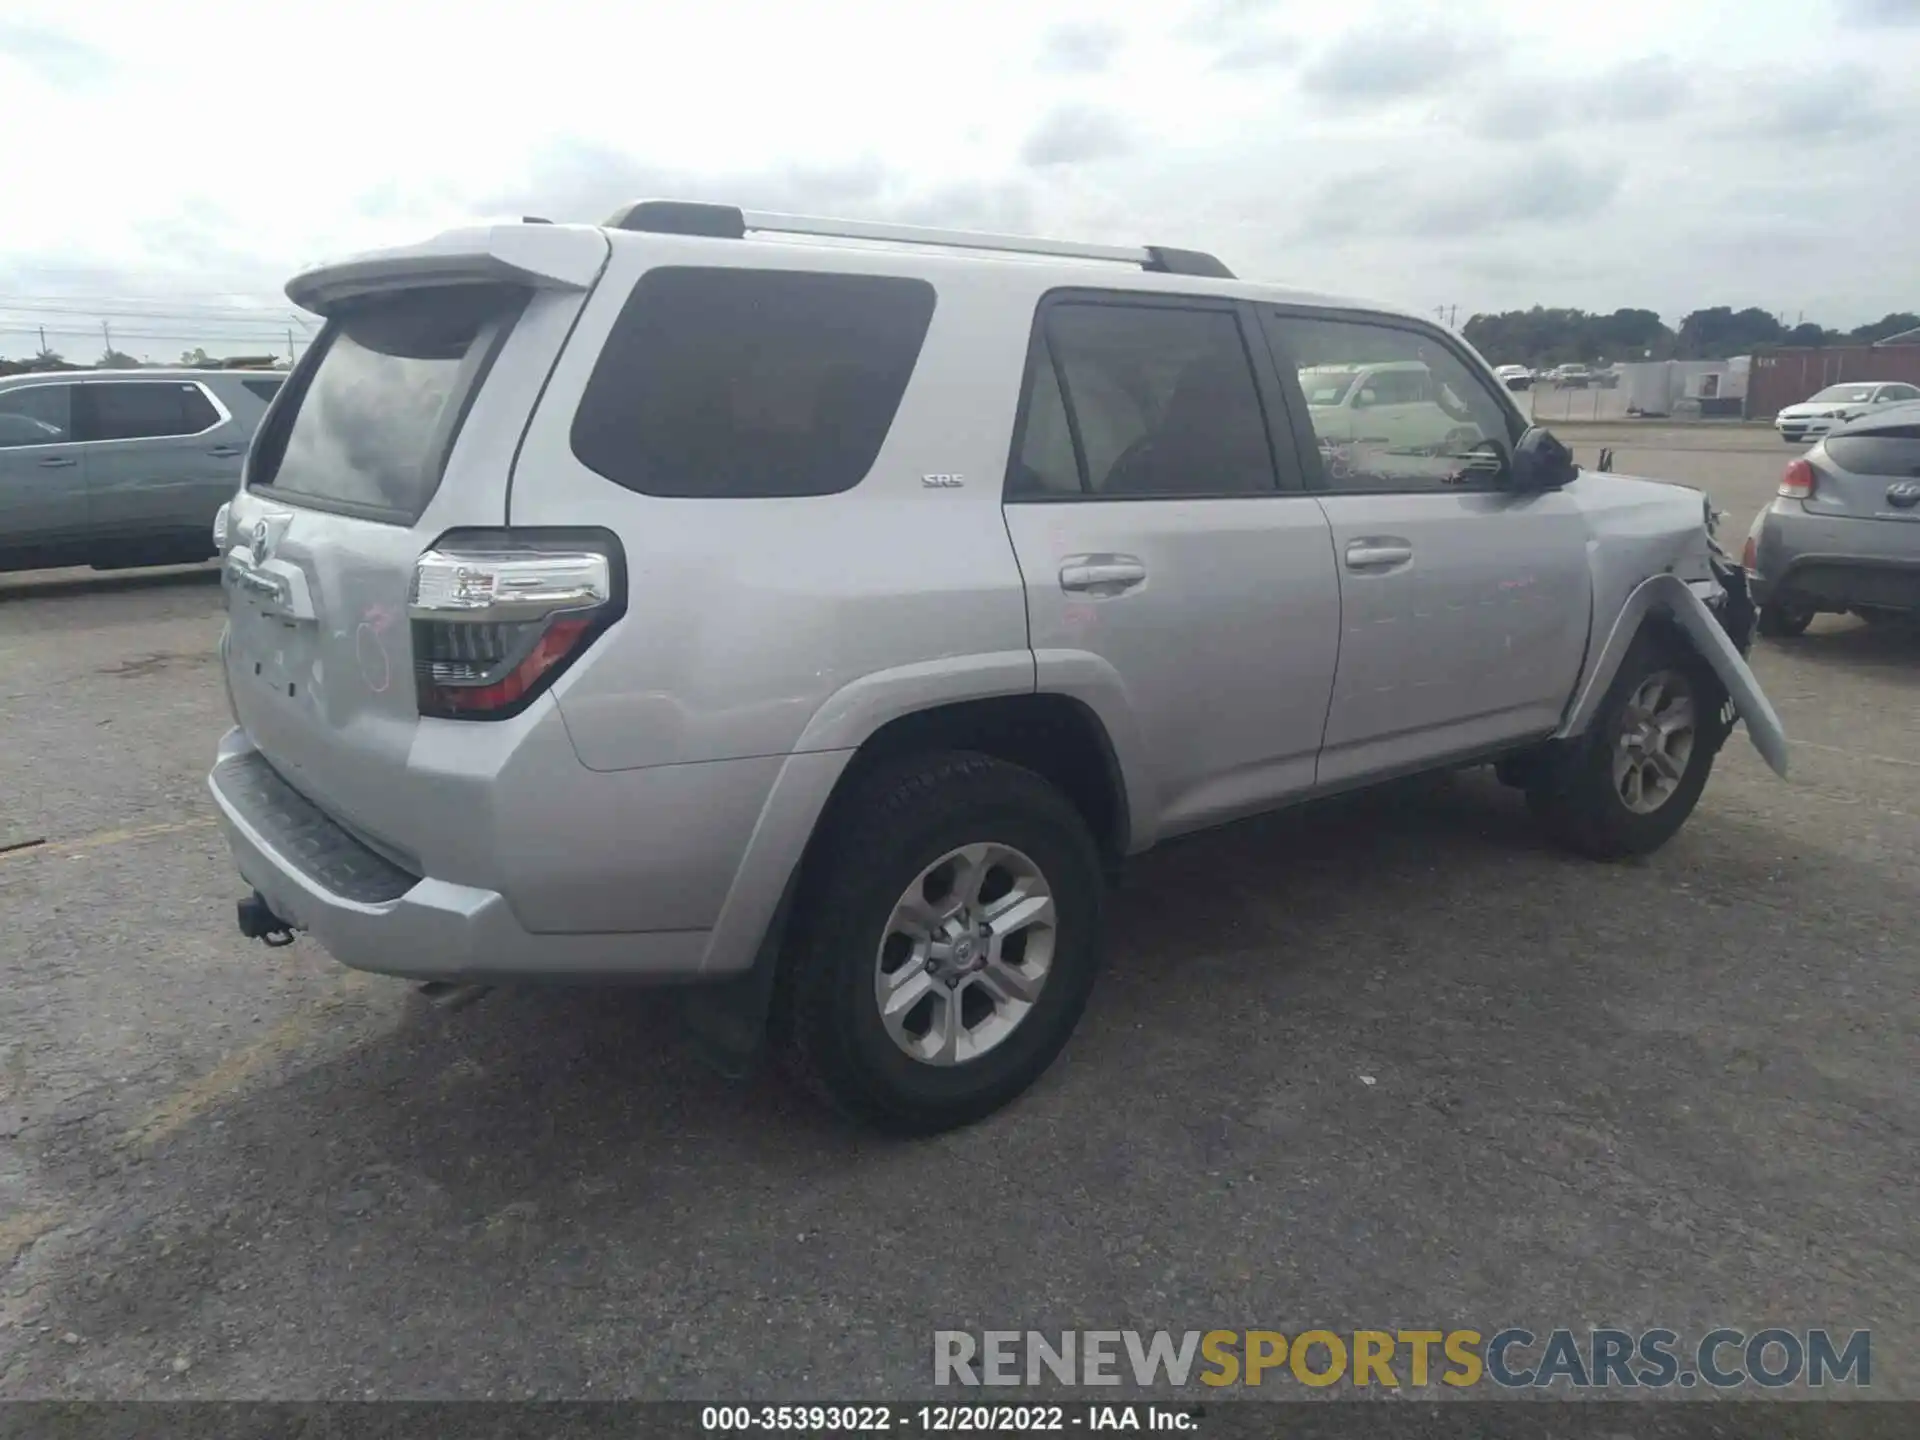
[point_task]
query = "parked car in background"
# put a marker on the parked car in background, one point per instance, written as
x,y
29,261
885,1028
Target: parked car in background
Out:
x,y
1836,405
1397,404
1515,377
1843,533
1570,377
115,468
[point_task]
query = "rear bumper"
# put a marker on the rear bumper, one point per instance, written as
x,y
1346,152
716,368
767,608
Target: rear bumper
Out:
x,y
372,915
1796,431
1838,563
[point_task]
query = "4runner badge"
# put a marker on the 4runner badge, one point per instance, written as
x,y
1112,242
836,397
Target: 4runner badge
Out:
x,y
943,482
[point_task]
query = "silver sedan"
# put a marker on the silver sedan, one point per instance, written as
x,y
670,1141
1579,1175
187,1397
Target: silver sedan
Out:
x,y
1843,534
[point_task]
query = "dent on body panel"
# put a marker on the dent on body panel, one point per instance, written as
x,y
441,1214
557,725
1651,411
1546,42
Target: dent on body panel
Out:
x,y
1638,528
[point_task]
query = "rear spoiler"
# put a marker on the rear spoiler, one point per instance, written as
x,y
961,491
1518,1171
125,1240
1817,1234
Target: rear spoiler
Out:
x,y
546,257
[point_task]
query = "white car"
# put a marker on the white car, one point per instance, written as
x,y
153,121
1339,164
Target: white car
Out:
x,y
1836,405
1397,404
1514,377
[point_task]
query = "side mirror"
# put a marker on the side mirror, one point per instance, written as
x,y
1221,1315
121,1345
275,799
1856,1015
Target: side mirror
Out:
x,y
1364,399
1541,462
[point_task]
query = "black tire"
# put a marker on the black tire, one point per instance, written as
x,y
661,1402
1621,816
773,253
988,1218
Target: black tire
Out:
x,y
1784,617
1576,798
895,823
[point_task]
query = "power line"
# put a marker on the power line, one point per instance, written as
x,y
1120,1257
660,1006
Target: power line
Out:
x,y
225,300
95,323
241,317
224,337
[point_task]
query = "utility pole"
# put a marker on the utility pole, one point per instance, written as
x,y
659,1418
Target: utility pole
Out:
x,y
43,339
107,335
289,345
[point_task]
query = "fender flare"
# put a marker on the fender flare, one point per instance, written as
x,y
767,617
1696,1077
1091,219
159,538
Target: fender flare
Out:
x,y
1670,596
727,1014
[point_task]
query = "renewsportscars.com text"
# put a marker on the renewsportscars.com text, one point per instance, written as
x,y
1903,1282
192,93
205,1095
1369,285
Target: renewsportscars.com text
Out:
x,y
1508,1359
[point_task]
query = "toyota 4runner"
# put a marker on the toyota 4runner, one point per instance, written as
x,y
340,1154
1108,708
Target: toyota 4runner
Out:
x,y
817,613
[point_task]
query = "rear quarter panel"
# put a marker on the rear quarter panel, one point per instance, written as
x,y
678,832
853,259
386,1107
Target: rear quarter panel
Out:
x,y
759,627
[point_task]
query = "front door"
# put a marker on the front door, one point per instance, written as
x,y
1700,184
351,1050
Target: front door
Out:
x,y
43,477
1464,607
1176,579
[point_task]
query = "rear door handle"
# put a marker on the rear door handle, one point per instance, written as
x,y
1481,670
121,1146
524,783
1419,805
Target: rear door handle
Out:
x,y
1377,552
226,450
58,462
1101,574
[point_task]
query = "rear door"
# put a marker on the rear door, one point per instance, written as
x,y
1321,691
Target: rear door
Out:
x,y
399,425
1464,607
1165,544
162,456
43,487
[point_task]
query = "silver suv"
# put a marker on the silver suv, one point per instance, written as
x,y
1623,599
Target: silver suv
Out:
x,y
818,613
114,468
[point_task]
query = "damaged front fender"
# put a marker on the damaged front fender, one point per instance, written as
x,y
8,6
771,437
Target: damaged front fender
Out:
x,y
1668,595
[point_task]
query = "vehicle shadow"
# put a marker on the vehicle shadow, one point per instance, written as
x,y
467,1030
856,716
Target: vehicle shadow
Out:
x,y
1844,642
59,584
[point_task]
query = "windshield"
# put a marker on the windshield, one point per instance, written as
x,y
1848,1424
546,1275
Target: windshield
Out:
x,y
1327,387
1852,394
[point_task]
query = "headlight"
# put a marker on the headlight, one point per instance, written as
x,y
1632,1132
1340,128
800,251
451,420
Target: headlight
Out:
x,y
220,528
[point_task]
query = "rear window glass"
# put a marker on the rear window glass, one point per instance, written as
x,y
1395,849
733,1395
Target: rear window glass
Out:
x,y
1878,452
265,389
725,383
381,404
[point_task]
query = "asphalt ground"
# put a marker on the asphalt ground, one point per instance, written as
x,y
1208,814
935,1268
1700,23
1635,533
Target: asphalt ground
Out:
x,y
1387,1062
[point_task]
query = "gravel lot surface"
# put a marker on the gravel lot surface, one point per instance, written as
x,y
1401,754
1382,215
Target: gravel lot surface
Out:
x,y
1386,1062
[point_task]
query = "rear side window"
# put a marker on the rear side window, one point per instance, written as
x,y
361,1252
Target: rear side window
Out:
x,y
1878,452
144,410
382,398
750,384
264,389
1140,401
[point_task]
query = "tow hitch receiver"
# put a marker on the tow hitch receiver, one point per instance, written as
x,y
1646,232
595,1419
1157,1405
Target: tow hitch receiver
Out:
x,y
258,922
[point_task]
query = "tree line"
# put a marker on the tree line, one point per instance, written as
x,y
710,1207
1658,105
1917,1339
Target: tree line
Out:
x,y
1543,336
195,359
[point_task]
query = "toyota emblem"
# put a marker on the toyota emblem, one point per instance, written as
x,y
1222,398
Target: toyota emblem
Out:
x,y
1904,495
262,539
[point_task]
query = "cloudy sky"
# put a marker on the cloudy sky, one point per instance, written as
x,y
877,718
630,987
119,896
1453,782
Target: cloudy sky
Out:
x,y
169,164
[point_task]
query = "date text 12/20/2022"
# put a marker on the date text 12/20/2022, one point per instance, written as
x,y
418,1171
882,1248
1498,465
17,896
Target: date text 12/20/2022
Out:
x,y
946,1419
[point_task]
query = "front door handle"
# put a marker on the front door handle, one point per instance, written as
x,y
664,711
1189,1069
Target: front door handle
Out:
x,y
226,450
1101,574
1377,552
58,462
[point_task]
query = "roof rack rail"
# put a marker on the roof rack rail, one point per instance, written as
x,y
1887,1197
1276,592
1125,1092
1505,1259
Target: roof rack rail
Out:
x,y
730,222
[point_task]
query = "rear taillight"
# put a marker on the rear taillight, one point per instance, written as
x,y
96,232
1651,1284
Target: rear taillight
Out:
x,y
1750,555
498,616
1797,483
